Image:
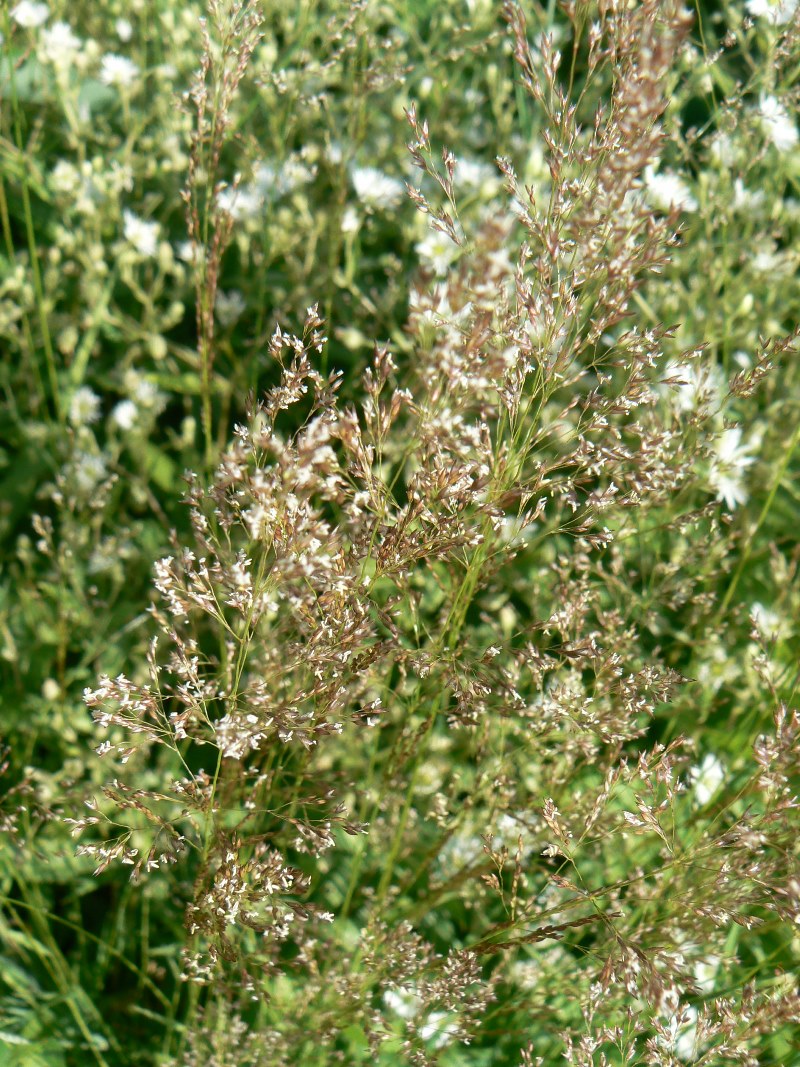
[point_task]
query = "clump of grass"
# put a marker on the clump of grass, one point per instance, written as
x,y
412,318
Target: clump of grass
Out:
x,y
458,726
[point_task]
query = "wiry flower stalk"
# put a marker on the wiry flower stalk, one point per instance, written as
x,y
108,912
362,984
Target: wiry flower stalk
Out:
x,y
227,48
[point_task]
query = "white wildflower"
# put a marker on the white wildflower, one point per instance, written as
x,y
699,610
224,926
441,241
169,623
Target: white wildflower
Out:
x,y
403,1001
88,471
376,189
185,251
768,260
701,385
724,149
526,973
768,621
744,198
778,124
536,169
84,407
268,181
351,223
124,30
119,71
65,178
228,307
144,392
51,690
477,176
765,261
241,202
334,153
118,178
141,234
125,414
460,849
437,251
30,14
778,12
295,174
667,190
730,461
705,973
104,557
717,667
685,1035
707,778
439,1029
59,44
265,181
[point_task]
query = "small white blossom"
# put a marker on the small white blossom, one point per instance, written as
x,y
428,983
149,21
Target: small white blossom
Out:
x,y
480,177
768,621
767,259
30,14
376,189
241,202
705,973
141,234
65,178
701,385
724,149
438,1029
125,414
436,250
185,251
334,153
105,557
778,12
51,690
59,44
144,392
84,407
686,1035
707,778
89,470
778,124
351,223
745,199
667,190
228,307
124,30
119,71
269,181
265,180
402,1001
730,461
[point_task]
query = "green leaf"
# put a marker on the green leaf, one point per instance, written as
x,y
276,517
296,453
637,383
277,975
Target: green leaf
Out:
x,y
96,96
160,467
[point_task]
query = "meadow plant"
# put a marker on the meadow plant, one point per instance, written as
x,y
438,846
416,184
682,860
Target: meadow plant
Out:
x,y
458,725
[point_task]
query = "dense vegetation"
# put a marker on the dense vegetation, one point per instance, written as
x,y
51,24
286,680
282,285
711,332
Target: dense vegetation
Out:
x,y
399,612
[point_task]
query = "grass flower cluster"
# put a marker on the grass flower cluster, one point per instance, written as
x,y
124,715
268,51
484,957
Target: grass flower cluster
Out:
x,y
400,609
